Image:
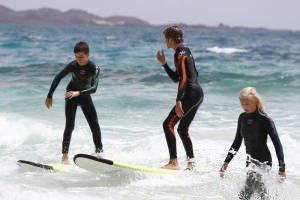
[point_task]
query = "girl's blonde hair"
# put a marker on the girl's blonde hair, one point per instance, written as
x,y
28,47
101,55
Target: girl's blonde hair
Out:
x,y
251,93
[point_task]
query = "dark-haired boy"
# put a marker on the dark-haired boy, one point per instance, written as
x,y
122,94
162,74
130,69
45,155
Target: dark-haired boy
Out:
x,y
84,82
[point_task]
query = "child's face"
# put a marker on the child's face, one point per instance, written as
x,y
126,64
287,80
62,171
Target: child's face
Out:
x,y
248,105
169,42
82,58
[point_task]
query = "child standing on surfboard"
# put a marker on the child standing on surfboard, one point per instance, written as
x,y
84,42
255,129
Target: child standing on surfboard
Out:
x,y
189,96
84,82
254,126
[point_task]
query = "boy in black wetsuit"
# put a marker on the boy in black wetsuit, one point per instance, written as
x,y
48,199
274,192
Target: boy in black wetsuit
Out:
x,y
189,96
254,126
84,82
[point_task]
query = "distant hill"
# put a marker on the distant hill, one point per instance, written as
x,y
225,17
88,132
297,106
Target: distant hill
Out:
x,y
77,17
73,16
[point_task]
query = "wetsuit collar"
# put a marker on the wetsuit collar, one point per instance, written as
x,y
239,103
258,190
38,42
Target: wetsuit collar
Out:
x,y
83,65
252,114
179,49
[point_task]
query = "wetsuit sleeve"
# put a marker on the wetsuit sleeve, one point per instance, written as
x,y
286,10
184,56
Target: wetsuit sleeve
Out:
x,y
94,84
182,77
173,75
57,79
236,143
271,130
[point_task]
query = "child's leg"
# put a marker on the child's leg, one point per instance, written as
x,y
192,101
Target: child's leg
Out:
x,y
168,126
90,114
183,131
250,186
70,112
190,103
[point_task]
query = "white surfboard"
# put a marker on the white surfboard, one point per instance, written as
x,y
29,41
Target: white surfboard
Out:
x,y
101,165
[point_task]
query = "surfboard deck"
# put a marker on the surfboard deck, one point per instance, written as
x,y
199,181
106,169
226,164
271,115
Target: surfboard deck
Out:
x,y
103,165
26,165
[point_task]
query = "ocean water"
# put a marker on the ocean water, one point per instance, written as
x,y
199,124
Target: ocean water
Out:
x,y
133,98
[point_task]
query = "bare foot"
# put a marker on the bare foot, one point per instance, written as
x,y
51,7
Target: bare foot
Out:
x,y
173,164
65,159
65,162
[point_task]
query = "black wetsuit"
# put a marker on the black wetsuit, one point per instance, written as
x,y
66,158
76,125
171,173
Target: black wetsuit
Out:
x,y
84,79
191,96
254,128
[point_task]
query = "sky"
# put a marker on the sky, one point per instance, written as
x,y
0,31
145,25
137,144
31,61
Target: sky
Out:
x,y
274,14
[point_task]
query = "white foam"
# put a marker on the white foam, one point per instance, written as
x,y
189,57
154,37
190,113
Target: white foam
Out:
x,y
225,50
110,37
124,143
16,130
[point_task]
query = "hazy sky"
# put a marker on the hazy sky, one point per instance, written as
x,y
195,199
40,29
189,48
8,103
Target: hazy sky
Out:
x,y
276,14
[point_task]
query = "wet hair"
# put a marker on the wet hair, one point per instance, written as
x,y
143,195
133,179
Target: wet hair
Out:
x,y
252,94
174,33
82,47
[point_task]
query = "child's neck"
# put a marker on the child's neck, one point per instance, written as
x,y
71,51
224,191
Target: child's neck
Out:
x,y
84,64
176,46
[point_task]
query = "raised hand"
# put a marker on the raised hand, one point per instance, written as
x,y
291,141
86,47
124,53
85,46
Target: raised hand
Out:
x,y
161,57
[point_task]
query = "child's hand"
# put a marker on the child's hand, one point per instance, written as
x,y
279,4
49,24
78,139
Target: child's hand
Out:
x,y
161,57
282,176
223,169
178,109
48,103
72,94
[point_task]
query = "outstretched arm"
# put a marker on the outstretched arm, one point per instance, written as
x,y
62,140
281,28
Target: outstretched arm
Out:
x,y
236,144
271,129
57,79
233,149
55,82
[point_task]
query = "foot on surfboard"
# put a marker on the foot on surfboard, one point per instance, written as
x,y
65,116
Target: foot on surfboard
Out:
x,y
99,153
173,164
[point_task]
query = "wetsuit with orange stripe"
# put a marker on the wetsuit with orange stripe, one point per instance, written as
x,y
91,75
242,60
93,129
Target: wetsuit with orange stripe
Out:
x,y
191,96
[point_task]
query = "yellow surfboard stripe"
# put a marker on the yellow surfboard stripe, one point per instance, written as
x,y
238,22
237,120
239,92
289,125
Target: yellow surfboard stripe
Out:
x,y
62,167
143,168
